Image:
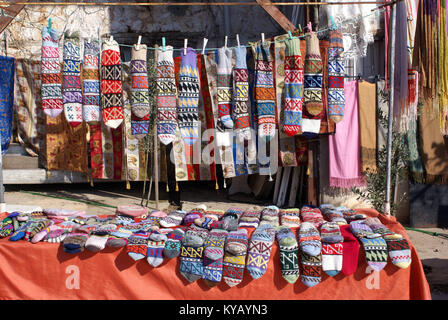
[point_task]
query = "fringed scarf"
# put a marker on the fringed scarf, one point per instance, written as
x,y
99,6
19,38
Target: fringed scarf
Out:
x,y
7,68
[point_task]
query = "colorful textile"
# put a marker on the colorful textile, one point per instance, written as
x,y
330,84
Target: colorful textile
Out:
x,y
7,69
51,73
71,80
111,85
224,86
139,98
107,151
289,254
96,157
91,82
336,72
259,251
344,145
367,125
241,94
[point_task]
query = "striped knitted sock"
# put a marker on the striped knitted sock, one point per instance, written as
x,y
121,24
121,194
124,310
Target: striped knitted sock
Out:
x,y
289,254
91,82
399,251
312,94
250,219
166,96
7,227
20,232
330,233
191,254
187,108
55,234
173,219
173,243
40,225
213,257
191,216
111,85
156,245
74,242
264,91
269,215
137,246
313,215
51,73
235,257
377,227
293,87
230,221
336,72
139,92
98,238
290,217
224,85
311,274
376,252
309,239
241,93
332,255
259,251
71,80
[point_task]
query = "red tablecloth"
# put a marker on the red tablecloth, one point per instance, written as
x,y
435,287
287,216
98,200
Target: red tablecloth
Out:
x,y
45,271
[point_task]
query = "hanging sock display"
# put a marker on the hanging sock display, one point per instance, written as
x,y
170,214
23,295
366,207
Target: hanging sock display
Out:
x,y
312,94
187,109
51,73
264,91
166,96
293,87
241,94
91,82
139,92
225,92
336,72
7,69
111,85
71,80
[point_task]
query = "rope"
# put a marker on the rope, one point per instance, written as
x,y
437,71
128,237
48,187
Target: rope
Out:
x,y
432,233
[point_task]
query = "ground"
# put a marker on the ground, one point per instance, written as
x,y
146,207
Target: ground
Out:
x,y
432,250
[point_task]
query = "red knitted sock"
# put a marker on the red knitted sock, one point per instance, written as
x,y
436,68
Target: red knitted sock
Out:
x,y
351,251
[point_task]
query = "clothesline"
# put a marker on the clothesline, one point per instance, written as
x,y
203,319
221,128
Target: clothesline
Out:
x,y
335,26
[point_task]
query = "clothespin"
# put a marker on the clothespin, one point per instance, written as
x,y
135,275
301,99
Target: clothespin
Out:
x,y
300,28
310,28
290,35
225,42
204,45
333,25
238,40
185,46
138,42
262,38
49,24
163,44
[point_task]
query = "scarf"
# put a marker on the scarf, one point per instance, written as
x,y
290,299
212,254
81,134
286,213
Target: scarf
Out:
x,y
336,72
91,82
7,68
367,125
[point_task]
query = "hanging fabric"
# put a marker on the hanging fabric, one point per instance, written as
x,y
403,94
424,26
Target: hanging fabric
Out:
x,y
241,95
251,150
382,107
71,80
107,152
336,73
51,73
367,125
443,71
344,145
7,69
96,152
91,82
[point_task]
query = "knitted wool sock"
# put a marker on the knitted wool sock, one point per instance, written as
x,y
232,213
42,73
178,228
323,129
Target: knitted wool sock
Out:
x,y
156,244
91,82
137,246
7,227
377,227
313,215
214,245
376,252
235,257
224,86
71,80
250,219
332,255
330,233
309,239
55,234
173,243
241,93
139,92
191,216
362,230
293,87
259,251
166,96
20,233
51,73
230,221
111,85
206,221
191,254
399,251
38,227
336,72
312,94
269,215
212,273
290,217
74,242
289,254
213,219
264,91
98,238
187,107
311,269
173,219
350,252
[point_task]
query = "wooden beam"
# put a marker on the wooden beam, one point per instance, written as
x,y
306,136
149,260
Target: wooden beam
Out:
x,y
277,15
12,10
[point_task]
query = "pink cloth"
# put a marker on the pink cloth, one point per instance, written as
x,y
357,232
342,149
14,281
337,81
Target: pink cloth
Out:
x,y
63,212
132,210
344,145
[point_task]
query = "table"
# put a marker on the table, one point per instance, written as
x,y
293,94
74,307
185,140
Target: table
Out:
x,y
44,271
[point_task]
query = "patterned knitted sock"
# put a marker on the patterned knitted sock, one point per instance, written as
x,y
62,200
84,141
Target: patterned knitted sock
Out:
x,y
119,238
399,251
71,80
250,219
236,242
293,87
259,251
214,218
330,233
312,94
191,254
191,216
224,85
137,246
19,233
376,252
166,96
111,85
212,274
51,73
313,215
98,238
7,227
264,91
311,269
156,244
336,72
332,255
187,107
196,236
214,245
55,234
38,227
350,252
235,257
139,92
173,219
269,215
309,239
362,230
289,254
173,243
91,82
74,242
377,227
241,93
206,221
290,217
230,221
